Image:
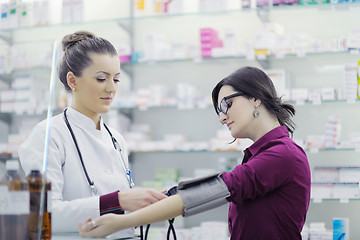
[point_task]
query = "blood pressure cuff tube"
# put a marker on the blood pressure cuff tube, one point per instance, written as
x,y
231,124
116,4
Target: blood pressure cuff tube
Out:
x,y
202,194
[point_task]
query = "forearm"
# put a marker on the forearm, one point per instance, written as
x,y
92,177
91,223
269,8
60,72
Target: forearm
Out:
x,y
160,211
136,199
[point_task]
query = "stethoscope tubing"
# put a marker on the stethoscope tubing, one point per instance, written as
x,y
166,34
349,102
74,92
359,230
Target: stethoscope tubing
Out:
x,y
91,183
118,151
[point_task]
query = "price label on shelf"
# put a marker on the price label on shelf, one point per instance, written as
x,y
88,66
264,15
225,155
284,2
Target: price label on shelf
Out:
x,y
317,200
279,55
314,150
151,62
354,52
344,200
261,57
197,59
250,56
301,54
316,101
315,98
350,100
300,102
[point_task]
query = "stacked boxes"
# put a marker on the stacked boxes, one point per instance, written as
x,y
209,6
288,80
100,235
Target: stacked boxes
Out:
x,y
209,39
350,84
335,182
332,132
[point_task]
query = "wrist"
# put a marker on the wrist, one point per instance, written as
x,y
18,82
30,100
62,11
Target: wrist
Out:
x,y
120,196
123,221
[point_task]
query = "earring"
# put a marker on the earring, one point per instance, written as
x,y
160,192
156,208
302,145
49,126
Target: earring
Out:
x,y
256,112
73,89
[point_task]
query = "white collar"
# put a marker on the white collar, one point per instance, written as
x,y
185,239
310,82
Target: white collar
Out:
x,y
81,120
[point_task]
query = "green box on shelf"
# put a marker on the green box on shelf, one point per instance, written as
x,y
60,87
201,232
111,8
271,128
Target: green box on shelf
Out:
x,y
167,175
156,185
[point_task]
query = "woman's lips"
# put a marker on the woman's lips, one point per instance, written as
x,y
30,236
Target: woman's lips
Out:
x,y
107,99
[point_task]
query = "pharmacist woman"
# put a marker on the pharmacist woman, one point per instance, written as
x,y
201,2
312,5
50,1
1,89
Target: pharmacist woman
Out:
x,y
87,160
269,192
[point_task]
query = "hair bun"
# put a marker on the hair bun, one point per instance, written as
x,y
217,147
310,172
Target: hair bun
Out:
x,y
71,39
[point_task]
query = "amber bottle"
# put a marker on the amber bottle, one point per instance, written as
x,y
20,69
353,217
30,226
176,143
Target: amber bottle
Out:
x,y
40,209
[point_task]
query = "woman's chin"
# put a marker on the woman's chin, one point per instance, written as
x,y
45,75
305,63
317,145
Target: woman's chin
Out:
x,y
234,134
105,109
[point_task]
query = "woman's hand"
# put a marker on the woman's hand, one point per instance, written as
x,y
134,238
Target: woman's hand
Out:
x,y
102,226
160,211
136,199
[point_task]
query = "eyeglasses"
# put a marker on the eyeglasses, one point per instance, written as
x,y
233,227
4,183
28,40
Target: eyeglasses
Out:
x,y
224,105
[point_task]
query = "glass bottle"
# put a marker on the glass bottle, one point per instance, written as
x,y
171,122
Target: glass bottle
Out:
x,y
40,213
14,204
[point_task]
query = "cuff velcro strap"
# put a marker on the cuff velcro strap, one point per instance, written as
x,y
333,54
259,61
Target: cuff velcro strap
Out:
x,y
203,194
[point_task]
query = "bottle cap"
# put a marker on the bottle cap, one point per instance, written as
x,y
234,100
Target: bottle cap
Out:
x,y
36,167
12,165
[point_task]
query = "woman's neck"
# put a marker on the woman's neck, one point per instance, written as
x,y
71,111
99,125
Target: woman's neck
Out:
x,y
266,125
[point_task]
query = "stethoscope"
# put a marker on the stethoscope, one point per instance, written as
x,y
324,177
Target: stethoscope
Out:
x,y
118,151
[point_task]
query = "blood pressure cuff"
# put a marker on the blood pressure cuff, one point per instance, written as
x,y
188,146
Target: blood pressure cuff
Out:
x,y
203,194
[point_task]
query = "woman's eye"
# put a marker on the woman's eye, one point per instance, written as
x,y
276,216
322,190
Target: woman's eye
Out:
x,y
101,79
116,80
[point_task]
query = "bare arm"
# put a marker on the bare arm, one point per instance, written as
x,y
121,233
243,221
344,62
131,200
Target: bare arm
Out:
x,y
157,212
136,199
162,210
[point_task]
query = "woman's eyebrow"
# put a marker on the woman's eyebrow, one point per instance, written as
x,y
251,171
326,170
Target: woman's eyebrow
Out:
x,y
106,73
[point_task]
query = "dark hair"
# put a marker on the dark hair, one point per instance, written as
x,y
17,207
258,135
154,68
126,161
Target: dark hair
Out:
x,y
77,47
254,83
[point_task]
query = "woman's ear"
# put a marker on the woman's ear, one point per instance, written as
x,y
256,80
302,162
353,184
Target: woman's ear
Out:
x,y
71,80
255,102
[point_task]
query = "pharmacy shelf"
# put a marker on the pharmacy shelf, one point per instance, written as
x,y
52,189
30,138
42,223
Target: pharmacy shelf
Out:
x,y
345,200
191,151
5,156
341,101
258,57
330,150
5,117
240,10
225,151
26,70
5,33
38,114
120,107
172,106
6,78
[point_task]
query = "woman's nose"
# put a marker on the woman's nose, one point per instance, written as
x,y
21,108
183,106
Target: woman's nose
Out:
x,y
222,118
111,86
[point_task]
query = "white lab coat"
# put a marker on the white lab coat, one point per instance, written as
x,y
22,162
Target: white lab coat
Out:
x,y
72,201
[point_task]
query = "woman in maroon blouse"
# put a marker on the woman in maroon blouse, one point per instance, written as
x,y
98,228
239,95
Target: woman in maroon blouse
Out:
x,y
269,191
